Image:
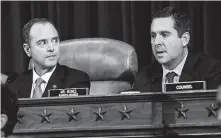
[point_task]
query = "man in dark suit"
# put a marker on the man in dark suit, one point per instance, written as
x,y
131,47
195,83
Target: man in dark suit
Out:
x,y
42,45
170,35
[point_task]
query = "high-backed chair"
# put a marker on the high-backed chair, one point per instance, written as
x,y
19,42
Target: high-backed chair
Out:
x,y
110,64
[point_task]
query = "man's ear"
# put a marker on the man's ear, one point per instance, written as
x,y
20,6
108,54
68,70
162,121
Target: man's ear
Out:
x,y
27,49
4,120
185,38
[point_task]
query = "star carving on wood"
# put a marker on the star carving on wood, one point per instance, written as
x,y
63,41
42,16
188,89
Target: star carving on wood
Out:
x,y
125,113
100,114
72,115
212,109
19,117
181,111
45,116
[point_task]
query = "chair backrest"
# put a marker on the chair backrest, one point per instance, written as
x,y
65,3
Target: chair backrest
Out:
x,y
110,64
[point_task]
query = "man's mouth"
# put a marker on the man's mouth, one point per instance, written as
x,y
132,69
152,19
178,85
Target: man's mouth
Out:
x,y
51,56
160,52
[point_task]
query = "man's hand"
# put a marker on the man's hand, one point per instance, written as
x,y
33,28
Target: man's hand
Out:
x,y
3,78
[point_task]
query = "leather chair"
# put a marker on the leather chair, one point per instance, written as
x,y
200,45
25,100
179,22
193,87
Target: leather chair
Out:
x,y
110,64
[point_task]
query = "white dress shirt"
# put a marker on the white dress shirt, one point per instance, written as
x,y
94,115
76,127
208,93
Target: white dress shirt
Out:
x,y
177,70
45,77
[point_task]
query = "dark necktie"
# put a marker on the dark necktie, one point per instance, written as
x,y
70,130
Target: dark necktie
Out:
x,y
37,90
170,77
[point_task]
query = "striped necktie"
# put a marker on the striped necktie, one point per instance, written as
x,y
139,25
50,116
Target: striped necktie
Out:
x,y
170,77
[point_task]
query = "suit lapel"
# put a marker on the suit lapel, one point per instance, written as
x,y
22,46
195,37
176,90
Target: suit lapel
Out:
x,y
188,73
55,80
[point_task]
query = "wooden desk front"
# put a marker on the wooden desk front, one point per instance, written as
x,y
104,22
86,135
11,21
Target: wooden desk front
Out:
x,y
191,113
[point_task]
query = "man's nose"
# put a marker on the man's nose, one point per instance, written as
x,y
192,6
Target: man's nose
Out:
x,y
157,40
50,46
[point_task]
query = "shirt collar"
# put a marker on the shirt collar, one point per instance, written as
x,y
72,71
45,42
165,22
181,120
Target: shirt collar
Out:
x,y
178,69
45,77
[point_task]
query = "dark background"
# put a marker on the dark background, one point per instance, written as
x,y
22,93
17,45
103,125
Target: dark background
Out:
x,y
128,21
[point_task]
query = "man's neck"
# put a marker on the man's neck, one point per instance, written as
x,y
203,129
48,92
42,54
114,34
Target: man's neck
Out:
x,y
41,71
172,65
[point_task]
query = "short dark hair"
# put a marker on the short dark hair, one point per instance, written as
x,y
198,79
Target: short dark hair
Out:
x,y
27,27
9,107
182,22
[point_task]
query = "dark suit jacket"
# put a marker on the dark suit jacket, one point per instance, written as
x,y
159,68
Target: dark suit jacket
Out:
x,y
62,77
196,68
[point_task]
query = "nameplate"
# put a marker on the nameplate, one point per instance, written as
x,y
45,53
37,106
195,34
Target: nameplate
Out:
x,y
183,86
68,92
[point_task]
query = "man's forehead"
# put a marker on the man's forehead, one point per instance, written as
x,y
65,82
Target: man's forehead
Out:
x,y
43,29
162,24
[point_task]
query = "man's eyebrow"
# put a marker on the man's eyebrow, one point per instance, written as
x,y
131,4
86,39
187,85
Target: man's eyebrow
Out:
x,y
41,40
165,32
161,32
55,37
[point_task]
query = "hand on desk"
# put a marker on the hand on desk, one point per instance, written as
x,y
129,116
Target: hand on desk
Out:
x,y
3,78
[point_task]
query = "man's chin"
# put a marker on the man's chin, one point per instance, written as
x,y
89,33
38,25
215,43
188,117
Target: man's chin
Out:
x,y
51,65
162,61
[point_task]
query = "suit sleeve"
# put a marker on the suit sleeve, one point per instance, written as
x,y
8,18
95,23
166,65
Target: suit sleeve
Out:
x,y
214,77
141,82
82,79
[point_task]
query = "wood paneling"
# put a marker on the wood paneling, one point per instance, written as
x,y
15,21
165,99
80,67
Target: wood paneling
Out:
x,y
152,114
